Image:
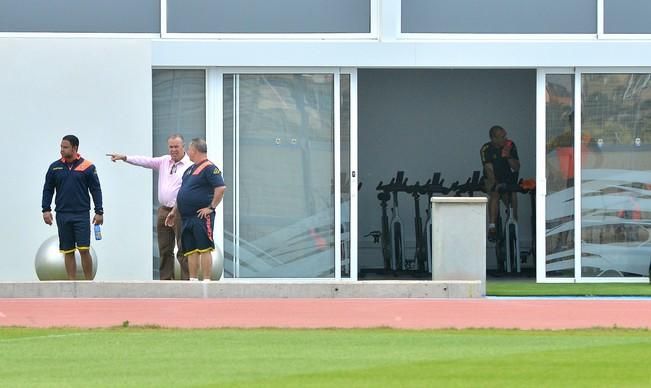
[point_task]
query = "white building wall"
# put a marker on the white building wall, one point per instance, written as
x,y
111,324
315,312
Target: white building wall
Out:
x,y
401,53
99,90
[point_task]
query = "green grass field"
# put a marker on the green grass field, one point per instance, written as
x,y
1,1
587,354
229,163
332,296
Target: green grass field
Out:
x,y
140,357
528,287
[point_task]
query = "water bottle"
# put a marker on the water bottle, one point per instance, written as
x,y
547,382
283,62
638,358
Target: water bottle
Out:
x,y
98,232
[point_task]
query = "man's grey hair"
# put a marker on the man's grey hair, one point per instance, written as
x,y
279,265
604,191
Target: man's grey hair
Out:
x,y
199,145
176,136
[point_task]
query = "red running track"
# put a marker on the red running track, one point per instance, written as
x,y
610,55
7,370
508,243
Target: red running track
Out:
x,y
329,313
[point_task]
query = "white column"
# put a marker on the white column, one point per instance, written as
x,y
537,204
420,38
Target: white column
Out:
x,y
389,15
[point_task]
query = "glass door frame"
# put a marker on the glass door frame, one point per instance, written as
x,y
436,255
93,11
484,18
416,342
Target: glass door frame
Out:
x,y
215,136
541,174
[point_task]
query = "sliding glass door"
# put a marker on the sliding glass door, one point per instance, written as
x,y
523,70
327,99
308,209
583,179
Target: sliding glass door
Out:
x,y
615,174
285,212
597,175
559,166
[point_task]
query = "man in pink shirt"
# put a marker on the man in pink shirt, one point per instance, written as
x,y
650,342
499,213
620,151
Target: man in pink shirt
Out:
x,y
170,170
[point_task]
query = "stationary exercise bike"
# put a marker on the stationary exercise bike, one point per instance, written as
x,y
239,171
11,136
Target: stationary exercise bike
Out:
x,y
396,229
507,243
419,263
391,235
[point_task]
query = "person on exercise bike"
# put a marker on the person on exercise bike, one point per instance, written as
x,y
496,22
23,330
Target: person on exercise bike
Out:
x,y
501,165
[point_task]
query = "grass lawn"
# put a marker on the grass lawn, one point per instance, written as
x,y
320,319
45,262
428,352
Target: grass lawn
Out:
x,y
528,287
334,358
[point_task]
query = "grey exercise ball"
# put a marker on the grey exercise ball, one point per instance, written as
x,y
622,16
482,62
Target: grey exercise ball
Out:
x,y
50,264
217,266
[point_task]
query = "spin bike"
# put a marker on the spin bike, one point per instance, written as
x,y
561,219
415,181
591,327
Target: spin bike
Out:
x,y
507,243
390,236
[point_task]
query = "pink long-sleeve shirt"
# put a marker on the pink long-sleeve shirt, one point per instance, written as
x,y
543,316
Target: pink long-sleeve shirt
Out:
x,y
169,174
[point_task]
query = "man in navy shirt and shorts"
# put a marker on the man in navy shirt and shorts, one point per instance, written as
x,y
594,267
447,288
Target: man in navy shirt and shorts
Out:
x,y
72,178
202,189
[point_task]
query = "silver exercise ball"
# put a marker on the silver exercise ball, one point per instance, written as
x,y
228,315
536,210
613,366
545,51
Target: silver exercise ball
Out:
x,y
217,266
49,262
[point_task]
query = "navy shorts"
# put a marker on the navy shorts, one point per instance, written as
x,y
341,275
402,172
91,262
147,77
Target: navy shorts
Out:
x,y
197,234
74,231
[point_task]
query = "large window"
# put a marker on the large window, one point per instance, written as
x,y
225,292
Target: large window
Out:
x,y
559,202
345,168
269,16
80,16
499,16
279,153
597,175
616,182
179,106
627,16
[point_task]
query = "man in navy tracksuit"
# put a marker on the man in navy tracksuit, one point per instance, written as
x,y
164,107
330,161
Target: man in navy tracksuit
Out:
x,y
73,177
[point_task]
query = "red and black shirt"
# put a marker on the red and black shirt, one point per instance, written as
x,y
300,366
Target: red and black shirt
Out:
x,y
493,155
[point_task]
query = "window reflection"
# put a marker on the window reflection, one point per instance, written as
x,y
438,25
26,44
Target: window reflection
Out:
x,y
616,182
559,95
283,142
179,106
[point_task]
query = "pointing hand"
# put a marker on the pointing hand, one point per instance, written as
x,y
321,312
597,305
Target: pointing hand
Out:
x,y
116,157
